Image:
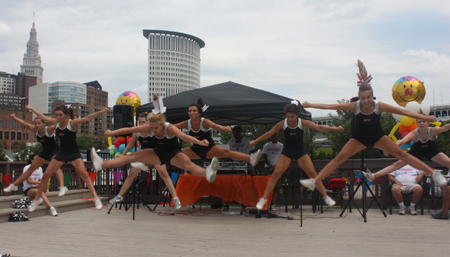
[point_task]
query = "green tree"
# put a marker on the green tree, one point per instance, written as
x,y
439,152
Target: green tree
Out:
x,y
87,142
2,152
443,141
21,151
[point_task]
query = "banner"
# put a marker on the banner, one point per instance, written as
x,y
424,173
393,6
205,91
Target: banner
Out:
x,y
67,178
92,175
117,176
7,178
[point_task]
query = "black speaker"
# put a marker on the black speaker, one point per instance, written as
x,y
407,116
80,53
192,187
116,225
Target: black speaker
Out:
x,y
123,116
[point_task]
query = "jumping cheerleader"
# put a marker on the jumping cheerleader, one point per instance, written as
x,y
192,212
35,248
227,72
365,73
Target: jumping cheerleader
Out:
x,y
145,141
46,136
68,150
368,132
293,149
200,128
168,149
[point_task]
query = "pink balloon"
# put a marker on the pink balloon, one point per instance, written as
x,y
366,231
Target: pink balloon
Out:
x,y
405,133
117,143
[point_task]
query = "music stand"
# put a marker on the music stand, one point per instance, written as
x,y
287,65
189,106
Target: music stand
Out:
x,y
362,182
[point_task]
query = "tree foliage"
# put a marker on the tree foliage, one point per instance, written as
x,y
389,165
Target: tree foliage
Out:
x,y
2,152
443,141
87,142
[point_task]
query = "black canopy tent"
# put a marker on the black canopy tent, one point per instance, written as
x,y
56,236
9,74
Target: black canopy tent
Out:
x,y
229,104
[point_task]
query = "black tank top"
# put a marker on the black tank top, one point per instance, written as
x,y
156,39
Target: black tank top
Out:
x,y
366,124
293,137
166,143
67,138
47,141
428,144
146,142
201,134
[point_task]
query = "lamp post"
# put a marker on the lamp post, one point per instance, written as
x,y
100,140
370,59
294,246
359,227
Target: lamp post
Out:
x,y
433,97
442,100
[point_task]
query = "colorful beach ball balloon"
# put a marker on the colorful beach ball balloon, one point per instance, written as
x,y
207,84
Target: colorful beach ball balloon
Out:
x,y
408,89
129,98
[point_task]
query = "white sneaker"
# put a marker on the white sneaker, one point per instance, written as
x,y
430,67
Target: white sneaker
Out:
x,y
34,204
273,207
177,203
439,179
412,211
254,158
369,175
402,211
308,183
116,199
98,203
10,188
329,201
53,211
212,169
261,203
139,165
63,191
97,162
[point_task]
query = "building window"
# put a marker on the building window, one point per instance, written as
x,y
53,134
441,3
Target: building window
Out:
x,y
13,135
1,134
6,134
19,136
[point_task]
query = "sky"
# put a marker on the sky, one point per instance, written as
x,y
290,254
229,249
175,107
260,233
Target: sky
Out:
x,y
305,50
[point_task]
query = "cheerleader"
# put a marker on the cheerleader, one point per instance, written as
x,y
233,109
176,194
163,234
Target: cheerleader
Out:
x,y
168,150
200,128
368,132
293,149
66,131
423,148
145,141
46,136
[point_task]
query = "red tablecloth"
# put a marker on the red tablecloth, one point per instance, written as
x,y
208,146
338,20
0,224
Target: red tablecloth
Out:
x,y
244,189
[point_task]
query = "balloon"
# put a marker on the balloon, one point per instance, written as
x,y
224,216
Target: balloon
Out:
x,y
122,148
397,116
425,109
111,151
405,133
129,98
131,150
407,121
408,89
129,140
121,139
117,143
117,154
402,129
413,107
109,141
413,126
406,146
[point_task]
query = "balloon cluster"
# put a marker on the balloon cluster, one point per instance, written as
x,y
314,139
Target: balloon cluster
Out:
x,y
408,124
119,146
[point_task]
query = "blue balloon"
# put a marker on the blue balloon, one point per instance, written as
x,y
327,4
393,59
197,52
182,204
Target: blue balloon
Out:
x,y
122,148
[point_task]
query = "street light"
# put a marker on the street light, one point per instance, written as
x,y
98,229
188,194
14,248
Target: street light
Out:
x,y
433,97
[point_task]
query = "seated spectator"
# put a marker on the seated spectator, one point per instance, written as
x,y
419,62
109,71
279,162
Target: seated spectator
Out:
x,y
271,152
406,180
30,184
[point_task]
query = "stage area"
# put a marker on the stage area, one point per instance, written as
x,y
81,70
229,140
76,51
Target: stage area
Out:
x,y
208,232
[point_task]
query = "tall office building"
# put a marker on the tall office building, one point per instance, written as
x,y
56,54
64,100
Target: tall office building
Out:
x,y
32,64
173,62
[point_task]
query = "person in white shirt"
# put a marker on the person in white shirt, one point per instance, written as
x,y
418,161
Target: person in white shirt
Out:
x,y
406,180
271,152
30,184
239,143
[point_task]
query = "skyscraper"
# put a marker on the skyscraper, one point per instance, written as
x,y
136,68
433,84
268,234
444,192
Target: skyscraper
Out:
x,y
173,62
32,64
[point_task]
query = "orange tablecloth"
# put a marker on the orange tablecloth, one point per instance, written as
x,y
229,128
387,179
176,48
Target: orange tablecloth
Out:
x,y
244,189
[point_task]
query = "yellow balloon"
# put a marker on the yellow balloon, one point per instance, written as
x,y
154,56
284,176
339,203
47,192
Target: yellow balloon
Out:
x,y
408,89
407,121
129,98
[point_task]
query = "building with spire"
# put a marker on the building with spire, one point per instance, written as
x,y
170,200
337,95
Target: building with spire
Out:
x,y
32,64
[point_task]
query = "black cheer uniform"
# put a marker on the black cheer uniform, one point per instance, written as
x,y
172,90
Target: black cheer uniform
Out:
x,y
49,145
367,126
201,134
167,146
146,142
68,149
293,146
427,149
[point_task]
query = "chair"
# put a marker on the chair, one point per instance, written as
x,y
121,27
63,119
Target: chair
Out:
x,y
335,184
406,198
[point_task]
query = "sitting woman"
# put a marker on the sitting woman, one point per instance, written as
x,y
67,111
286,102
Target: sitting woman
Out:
x,y
30,184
